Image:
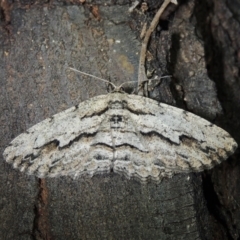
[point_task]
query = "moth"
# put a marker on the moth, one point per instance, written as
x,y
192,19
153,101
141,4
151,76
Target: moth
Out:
x,y
127,134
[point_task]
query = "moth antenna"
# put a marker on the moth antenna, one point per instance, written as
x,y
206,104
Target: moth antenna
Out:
x,y
154,79
90,75
151,79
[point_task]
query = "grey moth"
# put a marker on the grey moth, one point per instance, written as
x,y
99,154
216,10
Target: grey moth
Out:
x,y
127,134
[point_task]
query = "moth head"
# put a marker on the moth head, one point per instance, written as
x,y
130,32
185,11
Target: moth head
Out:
x,y
125,88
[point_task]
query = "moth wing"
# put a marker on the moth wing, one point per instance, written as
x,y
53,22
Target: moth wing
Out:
x,y
179,140
61,145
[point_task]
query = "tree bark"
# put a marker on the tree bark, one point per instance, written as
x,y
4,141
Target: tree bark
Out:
x,y
197,44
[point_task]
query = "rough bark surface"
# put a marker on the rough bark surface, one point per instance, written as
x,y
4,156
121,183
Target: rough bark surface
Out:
x,y
199,46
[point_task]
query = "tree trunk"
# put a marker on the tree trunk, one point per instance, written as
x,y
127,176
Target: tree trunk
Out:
x,y
197,43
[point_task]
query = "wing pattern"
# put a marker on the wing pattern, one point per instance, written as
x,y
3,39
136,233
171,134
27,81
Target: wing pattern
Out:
x,y
127,134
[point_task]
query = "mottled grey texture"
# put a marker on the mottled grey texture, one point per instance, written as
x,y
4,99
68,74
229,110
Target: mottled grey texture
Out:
x,y
127,134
